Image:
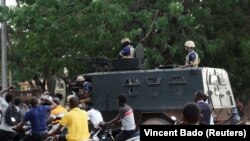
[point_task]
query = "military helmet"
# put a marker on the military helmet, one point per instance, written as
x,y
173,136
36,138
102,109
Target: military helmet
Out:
x,y
125,40
80,78
189,44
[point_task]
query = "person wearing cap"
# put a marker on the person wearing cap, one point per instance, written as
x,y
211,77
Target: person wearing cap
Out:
x,y
128,51
85,89
192,58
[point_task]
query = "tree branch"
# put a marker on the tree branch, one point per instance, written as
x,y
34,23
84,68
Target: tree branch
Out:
x,y
151,27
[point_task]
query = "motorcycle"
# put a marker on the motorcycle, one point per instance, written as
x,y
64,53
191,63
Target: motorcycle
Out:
x,y
107,135
26,130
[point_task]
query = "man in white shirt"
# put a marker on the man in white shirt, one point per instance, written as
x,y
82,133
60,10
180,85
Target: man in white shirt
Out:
x,y
95,117
6,132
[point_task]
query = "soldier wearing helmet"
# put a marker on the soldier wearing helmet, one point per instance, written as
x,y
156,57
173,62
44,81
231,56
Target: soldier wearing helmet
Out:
x,y
128,51
85,89
192,59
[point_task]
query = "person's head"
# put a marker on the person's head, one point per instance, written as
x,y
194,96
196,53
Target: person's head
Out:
x,y
57,101
17,101
59,95
89,105
189,45
9,98
191,113
239,100
68,97
34,101
73,102
122,100
200,95
125,42
44,99
80,78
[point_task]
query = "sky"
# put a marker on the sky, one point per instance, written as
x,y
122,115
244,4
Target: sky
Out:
x,y
10,2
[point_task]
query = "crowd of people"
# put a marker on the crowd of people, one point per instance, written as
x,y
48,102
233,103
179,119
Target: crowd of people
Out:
x,y
74,124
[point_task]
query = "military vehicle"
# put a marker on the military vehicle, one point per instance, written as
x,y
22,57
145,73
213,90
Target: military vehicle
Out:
x,y
161,93
157,94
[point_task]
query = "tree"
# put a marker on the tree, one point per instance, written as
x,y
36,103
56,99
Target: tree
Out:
x,y
62,33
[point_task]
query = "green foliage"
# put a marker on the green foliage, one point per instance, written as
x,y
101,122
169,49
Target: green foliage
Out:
x,y
162,23
64,33
176,8
186,21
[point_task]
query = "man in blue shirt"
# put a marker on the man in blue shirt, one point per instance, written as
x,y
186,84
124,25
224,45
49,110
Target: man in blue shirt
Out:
x,y
37,116
206,110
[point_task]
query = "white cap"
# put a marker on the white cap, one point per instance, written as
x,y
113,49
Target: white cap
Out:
x,y
80,78
189,44
125,40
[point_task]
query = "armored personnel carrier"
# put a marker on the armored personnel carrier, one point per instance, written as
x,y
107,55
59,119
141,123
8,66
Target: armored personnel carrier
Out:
x,y
160,94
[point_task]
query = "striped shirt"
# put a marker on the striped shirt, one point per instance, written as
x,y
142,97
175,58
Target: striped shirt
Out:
x,y
126,115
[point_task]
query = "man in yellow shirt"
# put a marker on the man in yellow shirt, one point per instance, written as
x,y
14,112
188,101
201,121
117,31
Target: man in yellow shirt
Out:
x,y
76,121
57,111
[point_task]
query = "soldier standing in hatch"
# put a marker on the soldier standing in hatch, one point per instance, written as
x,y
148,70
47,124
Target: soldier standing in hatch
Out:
x,y
128,51
192,58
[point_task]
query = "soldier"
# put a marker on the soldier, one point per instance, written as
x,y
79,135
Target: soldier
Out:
x,y
85,89
128,51
192,58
